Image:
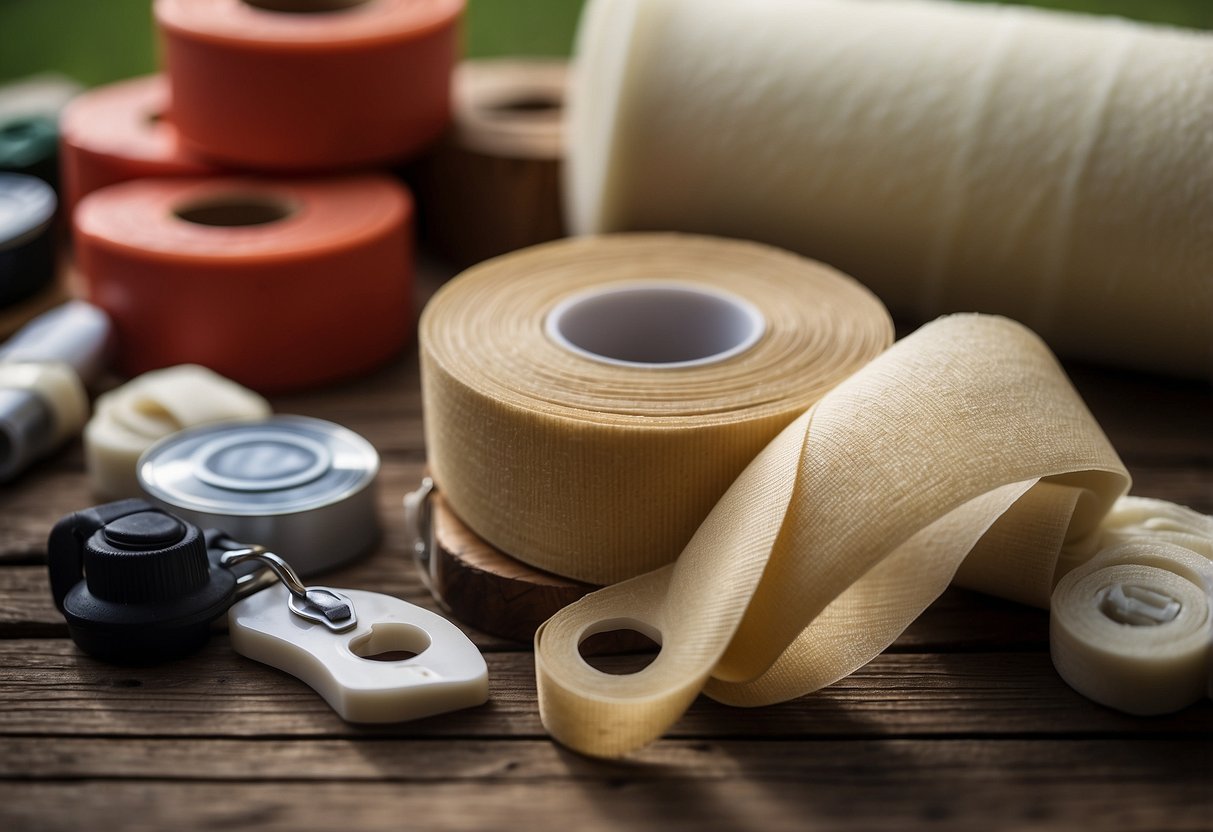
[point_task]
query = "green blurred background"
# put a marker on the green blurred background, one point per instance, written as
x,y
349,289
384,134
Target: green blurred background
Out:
x,y
101,40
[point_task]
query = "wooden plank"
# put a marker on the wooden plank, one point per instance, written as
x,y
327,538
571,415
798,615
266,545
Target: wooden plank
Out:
x,y
772,786
1183,761
31,505
50,689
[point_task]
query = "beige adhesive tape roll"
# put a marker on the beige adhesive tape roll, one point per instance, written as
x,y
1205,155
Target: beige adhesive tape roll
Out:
x,y
555,454
132,418
1132,628
953,157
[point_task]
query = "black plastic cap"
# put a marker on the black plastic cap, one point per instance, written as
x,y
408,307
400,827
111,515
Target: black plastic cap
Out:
x,y
134,573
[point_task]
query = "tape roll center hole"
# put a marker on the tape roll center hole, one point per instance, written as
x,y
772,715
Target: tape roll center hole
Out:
x,y
1138,606
235,210
391,642
529,105
304,6
656,325
619,652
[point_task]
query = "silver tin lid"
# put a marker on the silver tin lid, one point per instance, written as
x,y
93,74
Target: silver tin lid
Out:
x,y
300,486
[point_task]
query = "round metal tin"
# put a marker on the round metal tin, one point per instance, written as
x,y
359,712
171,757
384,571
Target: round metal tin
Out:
x,y
301,487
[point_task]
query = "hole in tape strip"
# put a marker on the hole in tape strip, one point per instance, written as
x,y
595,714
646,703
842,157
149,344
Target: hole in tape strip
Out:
x,y
619,646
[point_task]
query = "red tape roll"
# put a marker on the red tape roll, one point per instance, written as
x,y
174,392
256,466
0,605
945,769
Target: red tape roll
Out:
x,y
309,84
118,132
278,285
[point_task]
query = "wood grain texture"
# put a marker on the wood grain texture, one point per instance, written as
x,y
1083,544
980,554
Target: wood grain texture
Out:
x,y
49,688
771,787
486,587
962,724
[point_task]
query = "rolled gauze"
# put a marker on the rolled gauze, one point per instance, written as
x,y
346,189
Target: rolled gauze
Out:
x,y
1054,168
1131,629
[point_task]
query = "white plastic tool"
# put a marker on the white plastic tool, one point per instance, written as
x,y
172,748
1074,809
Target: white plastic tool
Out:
x,y
337,641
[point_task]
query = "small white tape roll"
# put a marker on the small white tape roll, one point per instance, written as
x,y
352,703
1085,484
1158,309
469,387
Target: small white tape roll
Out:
x,y
1131,628
58,386
133,417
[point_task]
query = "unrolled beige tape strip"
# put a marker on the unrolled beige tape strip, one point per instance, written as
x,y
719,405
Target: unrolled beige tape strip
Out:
x,y
843,530
130,419
953,157
962,452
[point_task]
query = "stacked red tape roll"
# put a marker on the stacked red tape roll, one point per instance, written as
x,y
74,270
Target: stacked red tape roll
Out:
x,y
277,283
295,84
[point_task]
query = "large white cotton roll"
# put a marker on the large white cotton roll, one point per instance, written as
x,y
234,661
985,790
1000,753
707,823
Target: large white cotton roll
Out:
x,y
1054,168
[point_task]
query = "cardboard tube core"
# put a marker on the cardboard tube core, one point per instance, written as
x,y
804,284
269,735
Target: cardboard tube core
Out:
x,y
655,324
1138,606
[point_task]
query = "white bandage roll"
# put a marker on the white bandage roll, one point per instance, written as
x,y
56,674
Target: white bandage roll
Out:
x,y
1131,628
130,419
1057,169
1143,518
58,387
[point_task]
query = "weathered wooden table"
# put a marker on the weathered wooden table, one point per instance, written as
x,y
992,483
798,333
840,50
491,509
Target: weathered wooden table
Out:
x,y
963,724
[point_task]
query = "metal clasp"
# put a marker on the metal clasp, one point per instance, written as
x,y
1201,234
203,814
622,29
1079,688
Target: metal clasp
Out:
x,y
419,524
315,603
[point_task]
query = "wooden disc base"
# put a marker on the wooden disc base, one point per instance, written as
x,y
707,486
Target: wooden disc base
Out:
x,y
491,591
